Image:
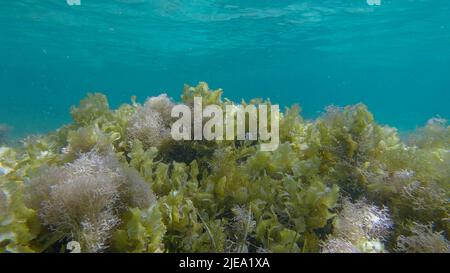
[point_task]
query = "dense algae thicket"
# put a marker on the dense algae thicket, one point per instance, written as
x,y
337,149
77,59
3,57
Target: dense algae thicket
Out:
x,y
115,181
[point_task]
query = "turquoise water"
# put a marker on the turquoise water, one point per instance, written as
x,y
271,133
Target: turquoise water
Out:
x,y
394,57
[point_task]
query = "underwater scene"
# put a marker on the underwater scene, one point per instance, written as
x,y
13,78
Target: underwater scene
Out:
x,y
219,126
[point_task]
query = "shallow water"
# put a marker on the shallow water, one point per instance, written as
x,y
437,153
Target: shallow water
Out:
x,y
394,57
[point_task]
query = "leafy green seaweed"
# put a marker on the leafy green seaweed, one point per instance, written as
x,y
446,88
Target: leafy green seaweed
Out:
x,y
340,183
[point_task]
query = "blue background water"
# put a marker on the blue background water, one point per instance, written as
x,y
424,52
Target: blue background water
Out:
x,y
394,57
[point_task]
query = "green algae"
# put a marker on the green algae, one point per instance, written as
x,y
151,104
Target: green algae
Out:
x,y
163,195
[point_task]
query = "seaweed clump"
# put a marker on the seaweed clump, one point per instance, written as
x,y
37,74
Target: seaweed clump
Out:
x,y
359,227
82,200
423,239
115,181
150,124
